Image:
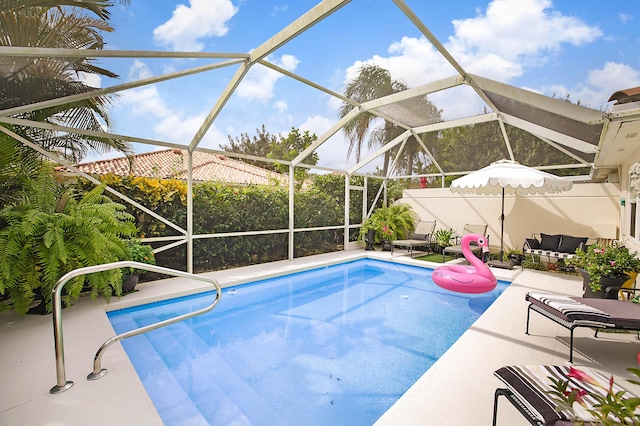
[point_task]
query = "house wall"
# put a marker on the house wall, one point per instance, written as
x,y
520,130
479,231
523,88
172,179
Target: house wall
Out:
x,y
588,209
631,241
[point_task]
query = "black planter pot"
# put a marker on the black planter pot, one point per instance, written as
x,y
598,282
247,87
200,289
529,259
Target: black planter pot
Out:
x,y
516,258
387,246
609,286
129,282
368,239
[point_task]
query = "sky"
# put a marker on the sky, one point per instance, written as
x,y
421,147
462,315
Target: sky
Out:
x,y
585,50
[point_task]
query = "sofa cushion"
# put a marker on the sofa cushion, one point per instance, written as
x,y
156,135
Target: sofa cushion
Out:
x,y
569,244
550,242
533,243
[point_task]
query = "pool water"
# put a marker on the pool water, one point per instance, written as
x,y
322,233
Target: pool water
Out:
x,y
332,346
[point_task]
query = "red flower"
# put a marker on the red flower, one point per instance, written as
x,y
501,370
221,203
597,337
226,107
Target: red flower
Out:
x,y
582,376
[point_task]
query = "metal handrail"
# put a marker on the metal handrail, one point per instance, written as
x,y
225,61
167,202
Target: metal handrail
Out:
x,y
62,383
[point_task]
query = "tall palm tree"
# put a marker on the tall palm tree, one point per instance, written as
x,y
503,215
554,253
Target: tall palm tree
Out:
x,y
26,80
373,82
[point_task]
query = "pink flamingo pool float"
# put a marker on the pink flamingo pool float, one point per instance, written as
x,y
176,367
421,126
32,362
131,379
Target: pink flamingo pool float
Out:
x,y
476,278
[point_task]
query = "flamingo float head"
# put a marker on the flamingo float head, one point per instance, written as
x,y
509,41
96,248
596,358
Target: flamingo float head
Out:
x,y
483,243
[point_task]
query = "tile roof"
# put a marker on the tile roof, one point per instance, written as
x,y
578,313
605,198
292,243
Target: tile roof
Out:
x,y
172,163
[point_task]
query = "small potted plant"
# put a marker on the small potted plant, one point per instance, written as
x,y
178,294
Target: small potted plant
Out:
x,y
137,252
604,269
443,237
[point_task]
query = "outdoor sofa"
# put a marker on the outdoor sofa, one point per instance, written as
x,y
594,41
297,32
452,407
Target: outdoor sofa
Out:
x,y
558,246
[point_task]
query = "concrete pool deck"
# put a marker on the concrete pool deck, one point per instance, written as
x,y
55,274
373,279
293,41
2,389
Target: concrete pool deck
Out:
x,y
457,389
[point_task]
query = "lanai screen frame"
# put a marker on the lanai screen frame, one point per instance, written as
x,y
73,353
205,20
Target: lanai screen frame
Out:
x,y
509,105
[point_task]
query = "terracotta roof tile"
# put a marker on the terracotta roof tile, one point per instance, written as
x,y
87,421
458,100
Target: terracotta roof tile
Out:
x,y
171,163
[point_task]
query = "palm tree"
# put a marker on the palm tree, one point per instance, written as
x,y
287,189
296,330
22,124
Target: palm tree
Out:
x,y
26,80
372,83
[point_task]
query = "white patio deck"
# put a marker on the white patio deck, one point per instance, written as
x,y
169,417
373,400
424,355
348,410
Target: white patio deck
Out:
x,y
457,390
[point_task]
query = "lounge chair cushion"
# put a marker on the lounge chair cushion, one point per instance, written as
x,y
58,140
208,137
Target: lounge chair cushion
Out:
x,y
550,242
419,236
569,244
571,309
531,384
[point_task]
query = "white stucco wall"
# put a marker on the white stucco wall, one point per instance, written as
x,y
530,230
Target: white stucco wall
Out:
x,y
589,210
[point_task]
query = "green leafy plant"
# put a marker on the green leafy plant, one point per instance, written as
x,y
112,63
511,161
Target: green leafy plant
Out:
x,y
614,260
443,236
390,223
138,252
612,407
48,231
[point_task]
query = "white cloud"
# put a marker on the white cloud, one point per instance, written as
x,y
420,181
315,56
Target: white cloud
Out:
x,y
139,71
259,82
317,124
91,80
522,30
511,35
189,24
280,106
172,125
625,17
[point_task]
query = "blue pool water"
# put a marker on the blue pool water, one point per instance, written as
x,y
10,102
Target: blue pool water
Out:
x,y
332,346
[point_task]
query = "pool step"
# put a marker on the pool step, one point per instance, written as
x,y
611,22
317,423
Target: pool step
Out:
x,y
167,394
216,389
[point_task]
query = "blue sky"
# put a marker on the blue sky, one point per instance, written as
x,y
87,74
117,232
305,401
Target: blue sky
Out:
x,y
586,49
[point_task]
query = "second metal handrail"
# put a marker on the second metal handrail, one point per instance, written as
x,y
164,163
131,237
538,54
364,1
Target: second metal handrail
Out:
x,y
62,383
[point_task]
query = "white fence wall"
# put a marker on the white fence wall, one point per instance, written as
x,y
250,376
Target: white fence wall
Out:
x,y
587,210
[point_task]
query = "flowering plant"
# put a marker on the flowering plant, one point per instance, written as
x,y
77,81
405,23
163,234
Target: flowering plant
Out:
x,y
389,223
609,406
600,262
139,252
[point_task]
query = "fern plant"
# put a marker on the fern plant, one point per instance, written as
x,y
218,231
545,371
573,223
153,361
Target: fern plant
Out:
x,y
47,231
390,223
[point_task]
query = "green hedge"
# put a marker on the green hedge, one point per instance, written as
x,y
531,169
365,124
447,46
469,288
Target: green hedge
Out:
x,y
220,208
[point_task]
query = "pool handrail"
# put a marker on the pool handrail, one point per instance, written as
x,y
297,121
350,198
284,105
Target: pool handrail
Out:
x,y
56,296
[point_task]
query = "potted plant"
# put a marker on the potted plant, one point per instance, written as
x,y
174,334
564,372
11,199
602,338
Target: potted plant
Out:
x,y
137,252
443,237
514,255
604,269
388,224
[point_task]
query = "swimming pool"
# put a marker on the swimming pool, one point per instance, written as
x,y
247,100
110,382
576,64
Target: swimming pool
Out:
x,y
331,346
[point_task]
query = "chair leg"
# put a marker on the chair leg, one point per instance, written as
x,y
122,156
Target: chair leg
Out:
x,y
571,345
495,404
528,316
516,403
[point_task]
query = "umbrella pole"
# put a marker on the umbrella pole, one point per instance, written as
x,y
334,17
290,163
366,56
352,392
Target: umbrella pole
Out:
x,y
502,229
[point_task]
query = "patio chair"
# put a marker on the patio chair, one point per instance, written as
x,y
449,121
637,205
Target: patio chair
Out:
x,y
422,236
456,250
527,387
573,312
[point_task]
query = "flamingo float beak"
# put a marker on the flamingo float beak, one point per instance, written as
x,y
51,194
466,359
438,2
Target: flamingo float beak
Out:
x,y
485,254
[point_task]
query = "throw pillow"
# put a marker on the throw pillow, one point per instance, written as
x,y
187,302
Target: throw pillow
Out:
x,y
569,244
533,243
550,242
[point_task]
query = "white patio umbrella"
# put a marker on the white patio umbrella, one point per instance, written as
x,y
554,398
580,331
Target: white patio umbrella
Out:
x,y
510,177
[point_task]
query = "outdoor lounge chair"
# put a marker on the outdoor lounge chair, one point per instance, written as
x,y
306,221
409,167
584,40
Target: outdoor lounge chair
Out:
x,y
422,236
468,229
527,388
573,312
